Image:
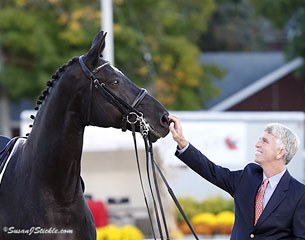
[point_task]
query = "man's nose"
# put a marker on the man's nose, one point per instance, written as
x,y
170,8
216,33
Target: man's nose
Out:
x,y
257,145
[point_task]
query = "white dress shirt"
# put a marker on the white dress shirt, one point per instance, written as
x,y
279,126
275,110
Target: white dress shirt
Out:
x,y
273,182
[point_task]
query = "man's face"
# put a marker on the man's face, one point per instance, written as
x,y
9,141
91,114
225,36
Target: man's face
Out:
x,y
266,150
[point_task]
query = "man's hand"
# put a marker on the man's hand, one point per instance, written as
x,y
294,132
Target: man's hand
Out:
x,y
176,131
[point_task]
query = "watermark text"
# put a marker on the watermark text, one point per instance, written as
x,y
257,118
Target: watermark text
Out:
x,y
35,230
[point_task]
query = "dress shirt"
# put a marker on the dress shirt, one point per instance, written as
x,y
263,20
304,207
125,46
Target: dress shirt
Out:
x,y
273,182
183,149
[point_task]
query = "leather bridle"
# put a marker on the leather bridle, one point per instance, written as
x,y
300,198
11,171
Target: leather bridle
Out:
x,y
129,112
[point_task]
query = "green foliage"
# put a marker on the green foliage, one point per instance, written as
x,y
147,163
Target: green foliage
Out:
x,y
155,44
214,205
289,14
278,11
37,37
163,48
189,205
234,26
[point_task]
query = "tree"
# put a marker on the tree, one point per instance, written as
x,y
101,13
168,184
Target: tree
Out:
x,y
167,46
155,44
236,27
289,15
35,38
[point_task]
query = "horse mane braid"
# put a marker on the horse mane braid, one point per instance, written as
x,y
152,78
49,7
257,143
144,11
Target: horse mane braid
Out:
x,y
55,77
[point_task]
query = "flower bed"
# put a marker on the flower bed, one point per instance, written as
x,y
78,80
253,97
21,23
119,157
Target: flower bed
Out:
x,y
212,216
112,232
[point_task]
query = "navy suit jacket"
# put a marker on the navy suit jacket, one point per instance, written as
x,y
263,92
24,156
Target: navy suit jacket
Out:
x,y
284,214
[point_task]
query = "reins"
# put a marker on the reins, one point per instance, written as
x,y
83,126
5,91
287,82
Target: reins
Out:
x,y
132,116
158,206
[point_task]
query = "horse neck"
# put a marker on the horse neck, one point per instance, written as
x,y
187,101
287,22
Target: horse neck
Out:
x,y
55,143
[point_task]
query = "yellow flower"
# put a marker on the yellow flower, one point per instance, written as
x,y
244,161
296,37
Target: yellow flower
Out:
x,y
109,232
129,232
225,218
112,232
205,218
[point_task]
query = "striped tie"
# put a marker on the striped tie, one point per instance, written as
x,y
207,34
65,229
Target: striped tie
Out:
x,y
259,200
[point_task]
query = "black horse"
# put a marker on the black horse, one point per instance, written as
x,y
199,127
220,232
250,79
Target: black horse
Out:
x,y
41,195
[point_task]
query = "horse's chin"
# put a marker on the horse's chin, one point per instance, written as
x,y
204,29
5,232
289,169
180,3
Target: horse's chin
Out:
x,y
153,135
153,138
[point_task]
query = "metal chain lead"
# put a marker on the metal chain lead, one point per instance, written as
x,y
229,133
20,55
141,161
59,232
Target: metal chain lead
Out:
x,y
144,127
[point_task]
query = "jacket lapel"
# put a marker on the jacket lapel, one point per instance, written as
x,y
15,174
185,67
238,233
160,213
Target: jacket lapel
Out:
x,y
251,204
247,199
277,197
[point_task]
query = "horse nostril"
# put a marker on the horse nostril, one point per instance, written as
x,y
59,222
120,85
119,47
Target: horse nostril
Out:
x,y
164,120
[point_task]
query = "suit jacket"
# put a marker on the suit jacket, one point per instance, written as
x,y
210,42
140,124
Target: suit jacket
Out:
x,y
282,218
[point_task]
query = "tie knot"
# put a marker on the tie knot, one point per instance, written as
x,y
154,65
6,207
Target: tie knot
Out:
x,y
265,182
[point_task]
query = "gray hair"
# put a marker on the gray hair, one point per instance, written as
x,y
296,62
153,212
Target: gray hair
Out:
x,y
285,138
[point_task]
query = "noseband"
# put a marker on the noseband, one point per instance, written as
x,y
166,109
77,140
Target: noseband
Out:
x,y
129,112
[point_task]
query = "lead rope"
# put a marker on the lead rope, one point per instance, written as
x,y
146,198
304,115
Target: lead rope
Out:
x,y
149,149
140,176
171,192
132,119
148,164
144,130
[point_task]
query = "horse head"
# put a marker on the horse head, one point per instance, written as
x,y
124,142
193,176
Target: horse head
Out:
x,y
119,98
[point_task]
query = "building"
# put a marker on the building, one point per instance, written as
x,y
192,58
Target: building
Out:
x,y
257,82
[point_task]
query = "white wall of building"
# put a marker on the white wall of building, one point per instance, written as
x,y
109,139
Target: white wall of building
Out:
x,y
227,138
208,131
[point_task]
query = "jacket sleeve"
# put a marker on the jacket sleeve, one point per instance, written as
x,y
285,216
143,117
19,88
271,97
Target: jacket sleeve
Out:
x,y
217,175
298,224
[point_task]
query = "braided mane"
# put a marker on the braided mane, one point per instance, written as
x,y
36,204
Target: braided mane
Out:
x,y
50,84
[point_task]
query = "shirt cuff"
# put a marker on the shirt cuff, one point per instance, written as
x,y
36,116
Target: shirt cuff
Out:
x,y
180,151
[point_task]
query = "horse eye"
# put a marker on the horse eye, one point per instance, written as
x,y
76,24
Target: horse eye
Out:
x,y
115,82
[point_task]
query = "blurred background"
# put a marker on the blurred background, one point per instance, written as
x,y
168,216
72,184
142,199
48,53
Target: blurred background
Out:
x,y
226,67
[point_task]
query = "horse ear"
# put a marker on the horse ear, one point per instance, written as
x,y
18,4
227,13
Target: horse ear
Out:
x,y
97,47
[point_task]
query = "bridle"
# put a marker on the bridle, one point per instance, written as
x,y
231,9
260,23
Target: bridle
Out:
x,y
132,116
129,112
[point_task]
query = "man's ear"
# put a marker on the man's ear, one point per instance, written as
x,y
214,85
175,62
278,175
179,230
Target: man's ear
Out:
x,y
281,153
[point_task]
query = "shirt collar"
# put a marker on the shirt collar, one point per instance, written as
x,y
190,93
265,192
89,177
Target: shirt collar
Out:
x,y
274,180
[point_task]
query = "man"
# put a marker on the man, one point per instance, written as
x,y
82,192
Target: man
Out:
x,y
269,202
